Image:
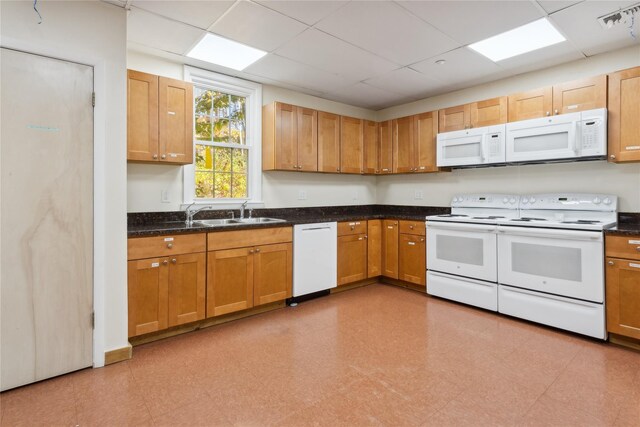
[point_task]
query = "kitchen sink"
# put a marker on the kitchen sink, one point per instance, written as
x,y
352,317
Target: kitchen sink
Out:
x,y
237,221
260,220
215,222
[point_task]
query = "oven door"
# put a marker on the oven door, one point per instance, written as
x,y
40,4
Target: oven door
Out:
x,y
547,138
462,249
560,262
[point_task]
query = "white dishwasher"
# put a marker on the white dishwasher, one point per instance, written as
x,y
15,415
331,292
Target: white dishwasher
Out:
x,y
315,257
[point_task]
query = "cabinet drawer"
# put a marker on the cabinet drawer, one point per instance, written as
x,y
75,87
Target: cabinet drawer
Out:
x,y
623,247
413,227
247,238
158,246
352,227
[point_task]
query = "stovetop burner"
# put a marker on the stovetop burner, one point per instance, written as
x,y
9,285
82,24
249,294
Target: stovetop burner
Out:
x,y
527,219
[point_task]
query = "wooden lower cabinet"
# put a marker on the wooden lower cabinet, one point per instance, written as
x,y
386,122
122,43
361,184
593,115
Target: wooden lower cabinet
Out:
x,y
272,273
374,248
412,259
229,281
390,248
187,286
352,258
623,297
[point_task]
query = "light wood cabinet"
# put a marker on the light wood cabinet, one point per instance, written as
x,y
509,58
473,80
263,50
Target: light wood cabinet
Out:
x,y
352,227
328,142
580,95
289,138
623,297
412,259
489,112
624,116
229,281
352,258
147,295
374,248
530,104
403,147
187,287
159,119
385,141
454,118
371,147
273,273
351,145
414,143
390,248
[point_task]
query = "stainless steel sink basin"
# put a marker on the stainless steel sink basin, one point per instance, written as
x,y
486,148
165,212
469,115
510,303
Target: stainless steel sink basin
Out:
x,y
237,221
215,222
260,220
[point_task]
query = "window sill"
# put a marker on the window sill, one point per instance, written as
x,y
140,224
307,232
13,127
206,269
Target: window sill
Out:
x,y
225,204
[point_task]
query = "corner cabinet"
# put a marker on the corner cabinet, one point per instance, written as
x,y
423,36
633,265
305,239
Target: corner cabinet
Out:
x,y
159,119
624,116
623,285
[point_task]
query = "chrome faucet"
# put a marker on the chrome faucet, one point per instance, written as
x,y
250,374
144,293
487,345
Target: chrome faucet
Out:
x,y
191,213
244,205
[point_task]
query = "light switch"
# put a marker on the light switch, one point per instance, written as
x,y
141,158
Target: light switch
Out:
x,y
164,196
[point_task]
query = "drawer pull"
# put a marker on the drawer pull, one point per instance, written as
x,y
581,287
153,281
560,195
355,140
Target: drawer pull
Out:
x,y
257,250
411,227
610,262
169,245
173,260
165,262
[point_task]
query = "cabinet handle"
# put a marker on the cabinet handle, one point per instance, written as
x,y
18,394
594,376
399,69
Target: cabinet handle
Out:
x,y
612,157
557,112
251,251
548,113
353,227
638,248
164,156
173,260
377,171
169,245
155,156
411,227
165,262
610,263
422,240
299,167
366,237
257,250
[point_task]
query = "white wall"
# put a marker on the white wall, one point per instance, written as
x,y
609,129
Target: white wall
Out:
x,y
92,33
147,182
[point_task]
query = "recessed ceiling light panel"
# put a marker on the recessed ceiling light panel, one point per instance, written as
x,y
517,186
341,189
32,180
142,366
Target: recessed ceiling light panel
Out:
x,y
527,38
220,51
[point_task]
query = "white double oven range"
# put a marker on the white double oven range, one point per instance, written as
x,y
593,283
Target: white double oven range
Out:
x,y
538,257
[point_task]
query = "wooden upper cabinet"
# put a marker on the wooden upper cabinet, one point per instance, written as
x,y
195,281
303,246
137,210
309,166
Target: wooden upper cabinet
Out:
x,y
328,142
159,119
624,116
454,118
307,136
390,248
425,133
351,145
403,147
489,112
623,297
142,116
374,248
352,258
175,109
273,273
531,104
229,281
187,287
412,258
147,295
580,95
385,144
371,147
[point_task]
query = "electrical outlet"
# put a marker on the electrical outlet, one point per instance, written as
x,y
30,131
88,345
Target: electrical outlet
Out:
x,y
164,196
418,195
302,195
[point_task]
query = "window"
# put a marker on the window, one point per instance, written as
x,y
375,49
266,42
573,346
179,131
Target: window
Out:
x,y
227,121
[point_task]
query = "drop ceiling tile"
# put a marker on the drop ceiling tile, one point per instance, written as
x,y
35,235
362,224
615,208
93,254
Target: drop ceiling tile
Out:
x,y
201,14
328,53
155,31
308,12
579,23
257,26
472,21
551,6
366,96
541,58
461,66
388,30
407,82
285,70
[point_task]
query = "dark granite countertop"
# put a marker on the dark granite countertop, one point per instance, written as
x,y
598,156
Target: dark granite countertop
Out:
x,y
163,223
628,225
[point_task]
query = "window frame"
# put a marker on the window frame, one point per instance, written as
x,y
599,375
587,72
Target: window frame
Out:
x,y
252,91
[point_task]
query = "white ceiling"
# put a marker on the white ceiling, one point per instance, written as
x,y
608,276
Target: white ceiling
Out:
x,y
372,54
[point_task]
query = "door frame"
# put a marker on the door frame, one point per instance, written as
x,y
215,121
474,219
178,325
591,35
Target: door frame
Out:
x,y
99,65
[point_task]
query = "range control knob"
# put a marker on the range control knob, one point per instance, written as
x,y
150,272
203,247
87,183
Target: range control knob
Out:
x,y
606,201
597,200
525,200
512,200
532,200
455,200
505,200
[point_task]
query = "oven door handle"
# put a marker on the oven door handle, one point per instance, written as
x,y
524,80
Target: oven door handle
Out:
x,y
552,233
459,226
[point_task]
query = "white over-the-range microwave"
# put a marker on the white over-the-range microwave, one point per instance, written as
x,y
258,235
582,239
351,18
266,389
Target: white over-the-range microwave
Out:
x,y
573,136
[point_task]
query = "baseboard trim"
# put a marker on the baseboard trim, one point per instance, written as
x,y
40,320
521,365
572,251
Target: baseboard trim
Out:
x,y
403,284
354,285
631,343
117,355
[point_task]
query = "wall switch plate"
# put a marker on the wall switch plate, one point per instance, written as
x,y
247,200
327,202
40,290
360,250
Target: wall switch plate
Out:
x,y
302,195
418,195
164,196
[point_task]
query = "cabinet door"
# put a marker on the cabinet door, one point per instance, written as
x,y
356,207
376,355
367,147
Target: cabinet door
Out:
x,y
425,133
403,147
374,248
531,104
390,248
624,116
489,112
148,293
286,141
412,259
187,286
454,118
371,147
229,281
352,258
273,273
351,145
307,123
328,142
580,95
623,297
175,109
385,141
142,116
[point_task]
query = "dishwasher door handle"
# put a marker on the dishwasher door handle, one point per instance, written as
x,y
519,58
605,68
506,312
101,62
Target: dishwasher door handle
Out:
x,y
316,228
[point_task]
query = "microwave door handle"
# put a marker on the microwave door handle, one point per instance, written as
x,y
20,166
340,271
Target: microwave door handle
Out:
x,y
483,148
576,137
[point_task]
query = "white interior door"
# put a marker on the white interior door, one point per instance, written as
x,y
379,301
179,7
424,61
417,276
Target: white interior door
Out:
x,y
46,222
